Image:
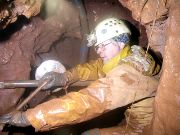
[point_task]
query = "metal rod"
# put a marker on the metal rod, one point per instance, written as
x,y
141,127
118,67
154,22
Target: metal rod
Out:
x,y
19,84
31,95
33,83
85,83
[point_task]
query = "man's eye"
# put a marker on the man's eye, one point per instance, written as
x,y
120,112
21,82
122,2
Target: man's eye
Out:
x,y
96,48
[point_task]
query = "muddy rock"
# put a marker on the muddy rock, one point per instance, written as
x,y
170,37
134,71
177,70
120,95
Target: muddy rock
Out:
x,y
167,102
157,35
22,42
10,10
144,10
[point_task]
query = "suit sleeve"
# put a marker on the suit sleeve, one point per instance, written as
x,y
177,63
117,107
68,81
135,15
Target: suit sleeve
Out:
x,y
120,87
87,71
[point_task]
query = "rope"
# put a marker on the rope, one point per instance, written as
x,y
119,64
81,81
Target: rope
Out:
x,y
128,117
129,114
140,16
152,27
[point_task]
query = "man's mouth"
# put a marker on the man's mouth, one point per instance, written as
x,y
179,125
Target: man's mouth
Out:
x,y
104,58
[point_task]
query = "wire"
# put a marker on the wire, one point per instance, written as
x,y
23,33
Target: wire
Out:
x,y
141,17
129,114
150,37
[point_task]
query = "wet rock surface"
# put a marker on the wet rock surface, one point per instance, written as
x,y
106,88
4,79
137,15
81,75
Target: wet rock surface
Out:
x,y
11,9
152,15
144,10
22,41
167,102
163,34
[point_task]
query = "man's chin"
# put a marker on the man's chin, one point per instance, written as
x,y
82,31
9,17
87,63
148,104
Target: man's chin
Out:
x,y
105,61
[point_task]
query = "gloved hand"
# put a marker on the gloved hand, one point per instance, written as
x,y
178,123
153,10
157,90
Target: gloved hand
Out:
x,y
55,79
16,118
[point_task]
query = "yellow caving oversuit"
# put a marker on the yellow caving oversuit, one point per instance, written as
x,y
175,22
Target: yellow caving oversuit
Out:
x,y
125,79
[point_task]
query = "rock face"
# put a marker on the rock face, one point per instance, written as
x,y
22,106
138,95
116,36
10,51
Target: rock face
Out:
x,y
167,102
10,10
22,42
146,11
164,33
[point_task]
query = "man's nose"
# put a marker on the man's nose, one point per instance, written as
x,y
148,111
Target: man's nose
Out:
x,y
99,50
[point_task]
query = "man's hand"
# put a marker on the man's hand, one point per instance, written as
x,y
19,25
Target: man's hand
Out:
x,y
16,118
55,79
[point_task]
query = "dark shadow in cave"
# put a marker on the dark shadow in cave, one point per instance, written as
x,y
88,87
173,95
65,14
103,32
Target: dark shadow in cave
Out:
x,y
134,33
5,34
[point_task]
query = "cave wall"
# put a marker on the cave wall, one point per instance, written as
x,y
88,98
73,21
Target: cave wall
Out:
x,y
167,102
11,9
21,42
65,48
145,12
163,37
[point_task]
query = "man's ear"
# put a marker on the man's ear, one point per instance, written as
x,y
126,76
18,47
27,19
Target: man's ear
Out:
x,y
121,45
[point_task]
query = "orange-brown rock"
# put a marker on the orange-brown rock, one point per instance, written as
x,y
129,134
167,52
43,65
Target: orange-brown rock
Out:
x,y
10,10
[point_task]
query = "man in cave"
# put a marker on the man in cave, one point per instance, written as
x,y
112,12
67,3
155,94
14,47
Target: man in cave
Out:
x,y
123,76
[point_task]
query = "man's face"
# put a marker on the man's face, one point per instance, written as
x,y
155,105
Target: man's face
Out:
x,y
107,50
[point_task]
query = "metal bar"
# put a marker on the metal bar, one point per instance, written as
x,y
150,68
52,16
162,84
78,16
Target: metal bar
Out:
x,y
33,83
19,84
31,95
40,88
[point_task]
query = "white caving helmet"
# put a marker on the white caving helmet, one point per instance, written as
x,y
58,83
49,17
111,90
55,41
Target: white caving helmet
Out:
x,y
48,66
107,29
